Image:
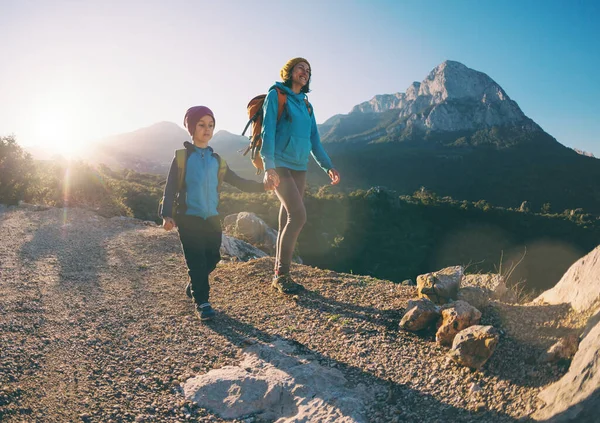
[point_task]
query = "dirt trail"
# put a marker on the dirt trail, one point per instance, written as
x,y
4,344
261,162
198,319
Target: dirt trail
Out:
x,y
95,326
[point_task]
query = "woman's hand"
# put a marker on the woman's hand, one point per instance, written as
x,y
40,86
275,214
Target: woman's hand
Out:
x,y
271,179
334,176
168,223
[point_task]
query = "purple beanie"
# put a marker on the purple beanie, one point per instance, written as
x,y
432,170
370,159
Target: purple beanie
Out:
x,y
193,115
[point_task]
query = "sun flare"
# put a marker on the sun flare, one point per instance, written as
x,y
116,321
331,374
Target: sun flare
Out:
x,y
58,131
61,118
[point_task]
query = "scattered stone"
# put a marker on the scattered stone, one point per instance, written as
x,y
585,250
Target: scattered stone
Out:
x,y
492,283
456,316
408,282
473,346
442,286
564,349
474,388
421,314
475,296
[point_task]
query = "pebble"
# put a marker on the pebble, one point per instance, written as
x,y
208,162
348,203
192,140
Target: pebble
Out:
x,y
474,388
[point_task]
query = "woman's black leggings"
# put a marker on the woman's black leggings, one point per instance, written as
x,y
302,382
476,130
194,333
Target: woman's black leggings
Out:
x,y
292,215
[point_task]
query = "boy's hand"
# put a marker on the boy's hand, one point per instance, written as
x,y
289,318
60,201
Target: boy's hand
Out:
x,y
168,223
271,179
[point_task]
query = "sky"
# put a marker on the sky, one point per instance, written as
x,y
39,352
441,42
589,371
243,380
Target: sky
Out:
x,y
74,71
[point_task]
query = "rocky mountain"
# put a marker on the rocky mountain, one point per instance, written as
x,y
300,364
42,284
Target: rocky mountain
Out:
x,y
451,98
459,134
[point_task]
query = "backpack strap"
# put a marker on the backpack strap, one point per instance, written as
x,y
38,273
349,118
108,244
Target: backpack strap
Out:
x,y
180,158
281,100
308,106
222,170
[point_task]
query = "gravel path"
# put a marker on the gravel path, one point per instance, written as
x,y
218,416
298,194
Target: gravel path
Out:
x,y
95,327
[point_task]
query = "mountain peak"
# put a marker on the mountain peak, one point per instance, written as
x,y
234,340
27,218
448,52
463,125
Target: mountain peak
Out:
x,y
452,79
453,97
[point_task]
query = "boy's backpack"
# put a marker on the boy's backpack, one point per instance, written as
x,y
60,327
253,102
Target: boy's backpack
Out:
x,y
181,160
255,113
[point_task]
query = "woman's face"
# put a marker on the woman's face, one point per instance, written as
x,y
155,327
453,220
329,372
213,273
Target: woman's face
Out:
x,y
204,130
301,74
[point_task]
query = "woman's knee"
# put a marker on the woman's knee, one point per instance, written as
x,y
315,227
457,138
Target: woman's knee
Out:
x,y
297,217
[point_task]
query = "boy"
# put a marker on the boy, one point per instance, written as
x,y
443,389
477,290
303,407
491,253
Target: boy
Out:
x,y
196,213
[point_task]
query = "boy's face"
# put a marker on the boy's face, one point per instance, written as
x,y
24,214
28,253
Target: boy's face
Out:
x,y
204,130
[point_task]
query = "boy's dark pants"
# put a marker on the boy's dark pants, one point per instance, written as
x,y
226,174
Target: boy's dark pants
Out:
x,y
201,242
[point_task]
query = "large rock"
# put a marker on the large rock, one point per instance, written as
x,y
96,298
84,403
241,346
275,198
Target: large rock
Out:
x,y
473,346
456,316
274,384
421,314
579,286
490,282
477,297
239,249
251,228
441,286
576,396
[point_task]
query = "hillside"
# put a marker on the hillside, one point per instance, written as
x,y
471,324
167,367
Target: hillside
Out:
x,y
95,326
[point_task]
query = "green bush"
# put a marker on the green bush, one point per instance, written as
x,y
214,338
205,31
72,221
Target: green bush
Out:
x,y
16,173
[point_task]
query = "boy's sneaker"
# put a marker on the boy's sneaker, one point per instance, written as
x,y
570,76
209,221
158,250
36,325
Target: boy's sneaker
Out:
x,y
188,290
286,285
205,312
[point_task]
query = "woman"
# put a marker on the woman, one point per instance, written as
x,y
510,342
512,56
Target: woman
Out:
x,y
287,143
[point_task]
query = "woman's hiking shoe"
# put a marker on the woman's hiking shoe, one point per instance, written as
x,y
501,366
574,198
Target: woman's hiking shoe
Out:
x,y
188,290
286,285
205,312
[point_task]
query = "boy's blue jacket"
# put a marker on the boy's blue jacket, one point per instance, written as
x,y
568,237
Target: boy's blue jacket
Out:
x,y
287,143
199,195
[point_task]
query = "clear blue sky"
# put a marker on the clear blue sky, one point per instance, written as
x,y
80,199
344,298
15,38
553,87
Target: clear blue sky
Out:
x,y
77,70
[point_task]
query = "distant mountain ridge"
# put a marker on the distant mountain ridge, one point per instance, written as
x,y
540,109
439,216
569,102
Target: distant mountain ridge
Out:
x,y
151,149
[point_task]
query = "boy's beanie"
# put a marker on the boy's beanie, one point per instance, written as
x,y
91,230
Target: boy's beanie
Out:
x,y
193,115
286,70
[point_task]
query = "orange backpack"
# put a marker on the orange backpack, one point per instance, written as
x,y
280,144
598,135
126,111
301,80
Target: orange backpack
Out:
x,y
255,113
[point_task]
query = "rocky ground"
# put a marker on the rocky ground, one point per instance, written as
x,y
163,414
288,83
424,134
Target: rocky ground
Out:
x,y
95,327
